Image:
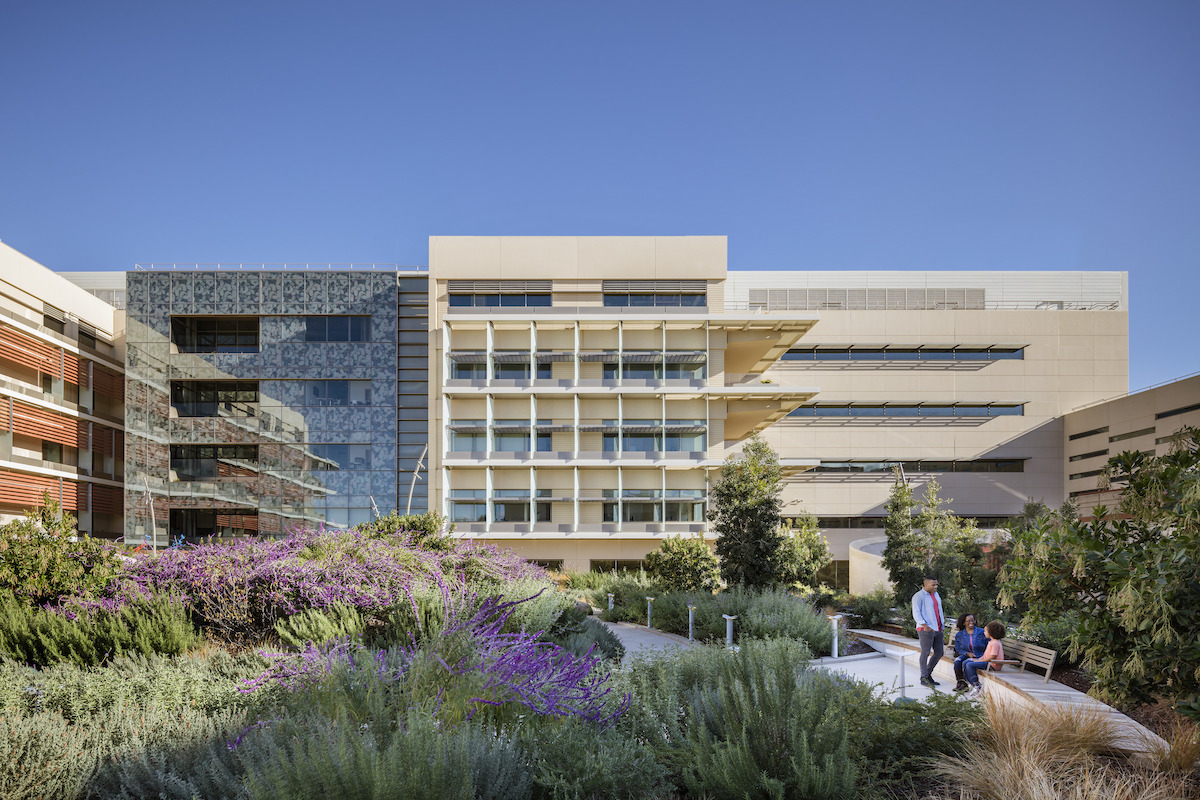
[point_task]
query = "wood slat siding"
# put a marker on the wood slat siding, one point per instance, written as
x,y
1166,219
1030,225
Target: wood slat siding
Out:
x,y
48,426
29,352
25,491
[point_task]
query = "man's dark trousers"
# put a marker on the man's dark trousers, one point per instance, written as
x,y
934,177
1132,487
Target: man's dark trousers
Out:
x,y
930,641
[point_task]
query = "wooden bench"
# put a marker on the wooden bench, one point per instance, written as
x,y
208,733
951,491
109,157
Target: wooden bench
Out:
x,y
1023,654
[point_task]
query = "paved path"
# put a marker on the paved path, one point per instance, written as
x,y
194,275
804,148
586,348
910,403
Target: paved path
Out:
x,y
639,639
1022,687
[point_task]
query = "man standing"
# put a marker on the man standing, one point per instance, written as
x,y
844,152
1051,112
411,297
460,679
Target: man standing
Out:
x,y
927,612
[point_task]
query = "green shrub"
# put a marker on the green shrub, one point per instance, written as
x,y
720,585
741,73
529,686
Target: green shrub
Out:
x,y
39,562
684,564
44,756
591,635
42,637
774,612
430,531
589,580
874,608
803,553
579,761
627,587
763,731
320,625
1052,632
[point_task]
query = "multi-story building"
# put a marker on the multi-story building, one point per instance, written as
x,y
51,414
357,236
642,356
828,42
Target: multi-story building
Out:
x,y
61,397
570,397
259,399
1145,421
588,385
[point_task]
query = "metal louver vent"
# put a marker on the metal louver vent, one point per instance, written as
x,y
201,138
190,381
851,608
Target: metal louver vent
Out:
x,y
858,299
655,286
497,287
54,313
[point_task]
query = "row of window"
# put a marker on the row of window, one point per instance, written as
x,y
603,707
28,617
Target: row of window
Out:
x,y
915,410
203,462
655,299
241,398
517,511
904,353
211,334
974,465
519,442
521,371
530,299
856,523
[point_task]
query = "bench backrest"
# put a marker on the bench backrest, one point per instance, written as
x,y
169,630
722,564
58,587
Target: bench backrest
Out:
x,y
1030,655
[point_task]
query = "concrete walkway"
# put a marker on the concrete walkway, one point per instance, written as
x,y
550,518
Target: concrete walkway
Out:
x,y
638,639
1020,687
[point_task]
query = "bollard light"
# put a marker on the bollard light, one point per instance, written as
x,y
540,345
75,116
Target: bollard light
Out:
x,y
691,623
610,598
649,611
729,629
833,619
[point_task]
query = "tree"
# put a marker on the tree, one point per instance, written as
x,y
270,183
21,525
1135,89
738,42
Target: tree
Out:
x,y
744,508
684,565
938,543
803,554
1132,582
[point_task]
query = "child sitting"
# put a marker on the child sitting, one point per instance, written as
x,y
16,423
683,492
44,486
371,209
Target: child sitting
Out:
x,y
994,631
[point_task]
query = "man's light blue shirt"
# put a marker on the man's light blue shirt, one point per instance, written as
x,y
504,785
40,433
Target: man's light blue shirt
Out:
x,y
924,612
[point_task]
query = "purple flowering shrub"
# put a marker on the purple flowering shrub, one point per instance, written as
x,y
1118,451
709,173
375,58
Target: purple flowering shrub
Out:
x,y
472,669
238,590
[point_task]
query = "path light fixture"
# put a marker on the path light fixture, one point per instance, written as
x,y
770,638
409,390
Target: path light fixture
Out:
x,y
649,611
833,620
691,623
729,629
610,601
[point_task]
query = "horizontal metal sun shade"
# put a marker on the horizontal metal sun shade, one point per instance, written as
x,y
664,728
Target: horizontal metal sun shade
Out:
x,y
498,287
655,287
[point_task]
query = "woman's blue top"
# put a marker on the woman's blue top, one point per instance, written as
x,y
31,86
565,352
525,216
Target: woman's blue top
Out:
x,y
972,644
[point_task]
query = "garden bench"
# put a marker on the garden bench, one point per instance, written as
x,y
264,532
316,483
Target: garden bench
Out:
x,y
1024,654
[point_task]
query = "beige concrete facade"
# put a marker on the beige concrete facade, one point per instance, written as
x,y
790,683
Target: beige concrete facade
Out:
x,y
962,376
1143,421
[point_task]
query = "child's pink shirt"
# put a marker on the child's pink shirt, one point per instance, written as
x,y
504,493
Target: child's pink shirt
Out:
x,y
994,652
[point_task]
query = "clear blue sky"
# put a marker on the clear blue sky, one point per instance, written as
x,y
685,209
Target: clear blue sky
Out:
x,y
816,135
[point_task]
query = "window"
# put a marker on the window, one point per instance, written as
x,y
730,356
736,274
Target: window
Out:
x,y
196,525
467,505
471,442
194,462
337,393
965,353
337,329
527,299
1092,454
511,371
215,398
215,334
1089,474
655,299
468,372
1085,434
1120,437
923,410
54,324
1177,411
340,456
972,465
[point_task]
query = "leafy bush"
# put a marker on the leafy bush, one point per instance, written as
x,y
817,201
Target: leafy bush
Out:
x,y
44,756
774,612
628,588
803,553
1131,582
575,760
320,625
684,564
591,637
87,638
430,531
39,562
590,580
874,608
744,508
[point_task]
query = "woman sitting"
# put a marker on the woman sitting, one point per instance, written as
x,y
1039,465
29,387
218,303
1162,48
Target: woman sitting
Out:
x,y
969,644
994,651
